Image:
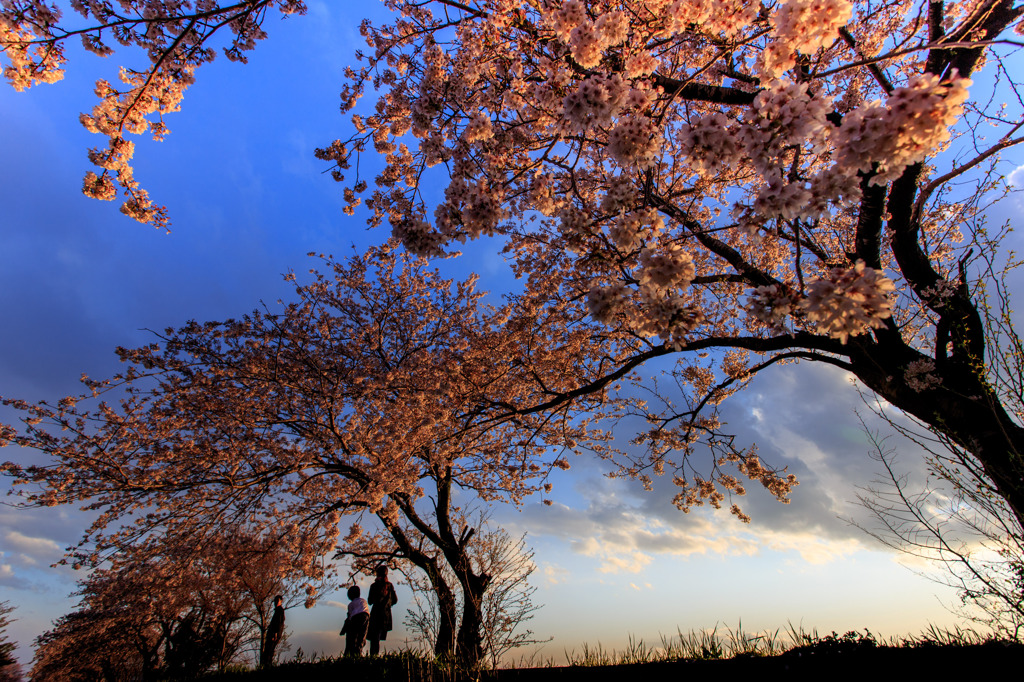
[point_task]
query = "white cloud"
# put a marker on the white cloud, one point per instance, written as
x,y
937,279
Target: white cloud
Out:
x,y
625,542
554,574
9,579
630,562
30,545
26,560
813,550
1016,178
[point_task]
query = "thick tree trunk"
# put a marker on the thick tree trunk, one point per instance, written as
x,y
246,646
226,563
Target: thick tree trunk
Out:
x,y
469,647
444,646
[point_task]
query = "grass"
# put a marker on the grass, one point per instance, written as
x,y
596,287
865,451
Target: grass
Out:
x,y
720,643
695,645
393,667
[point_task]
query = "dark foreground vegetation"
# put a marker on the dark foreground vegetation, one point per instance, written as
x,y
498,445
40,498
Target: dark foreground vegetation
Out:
x,y
853,655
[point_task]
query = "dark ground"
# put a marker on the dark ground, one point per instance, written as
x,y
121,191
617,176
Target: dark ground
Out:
x,y
924,662
937,663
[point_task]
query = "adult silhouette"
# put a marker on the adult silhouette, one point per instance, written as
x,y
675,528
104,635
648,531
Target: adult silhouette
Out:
x,y
381,598
274,632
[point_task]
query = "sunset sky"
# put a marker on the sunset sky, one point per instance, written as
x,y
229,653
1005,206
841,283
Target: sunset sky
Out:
x,y
248,200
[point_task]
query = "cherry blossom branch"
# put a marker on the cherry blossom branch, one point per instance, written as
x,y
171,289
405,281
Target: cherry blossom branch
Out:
x,y
872,65
925,192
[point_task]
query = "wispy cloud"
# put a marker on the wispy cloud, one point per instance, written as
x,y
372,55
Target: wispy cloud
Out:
x,y
30,545
554,574
8,577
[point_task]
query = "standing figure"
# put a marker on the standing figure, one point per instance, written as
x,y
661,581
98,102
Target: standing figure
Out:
x,y
356,622
382,597
274,632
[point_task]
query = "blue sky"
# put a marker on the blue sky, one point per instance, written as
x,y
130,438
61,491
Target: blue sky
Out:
x,y
248,200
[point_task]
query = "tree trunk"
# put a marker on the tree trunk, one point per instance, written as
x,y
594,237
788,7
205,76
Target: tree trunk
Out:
x,y
444,647
469,647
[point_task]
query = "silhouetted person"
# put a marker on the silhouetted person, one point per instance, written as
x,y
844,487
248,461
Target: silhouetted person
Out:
x,y
356,623
274,633
381,598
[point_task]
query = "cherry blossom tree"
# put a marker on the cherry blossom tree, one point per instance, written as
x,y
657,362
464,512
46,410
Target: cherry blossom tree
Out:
x,y
383,390
469,580
766,183
165,607
111,652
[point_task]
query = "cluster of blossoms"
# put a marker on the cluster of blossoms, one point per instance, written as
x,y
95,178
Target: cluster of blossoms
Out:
x,y
595,102
803,26
736,364
771,305
693,495
629,230
604,302
666,315
172,33
726,17
479,209
418,236
708,145
98,187
567,17
798,199
587,40
575,226
434,150
426,105
355,531
114,159
670,267
30,63
920,375
619,197
832,186
784,115
635,141
478,128
786,201
640,64
655,312
544,196
913,124
751,466
848,301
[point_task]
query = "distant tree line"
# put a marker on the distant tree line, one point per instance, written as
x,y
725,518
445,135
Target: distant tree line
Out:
x,y
164,610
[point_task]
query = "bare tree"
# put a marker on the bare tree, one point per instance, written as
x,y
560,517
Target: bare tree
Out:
x,y
956,520
507,604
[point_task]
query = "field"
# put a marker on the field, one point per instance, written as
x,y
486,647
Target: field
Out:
x,y
706,654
